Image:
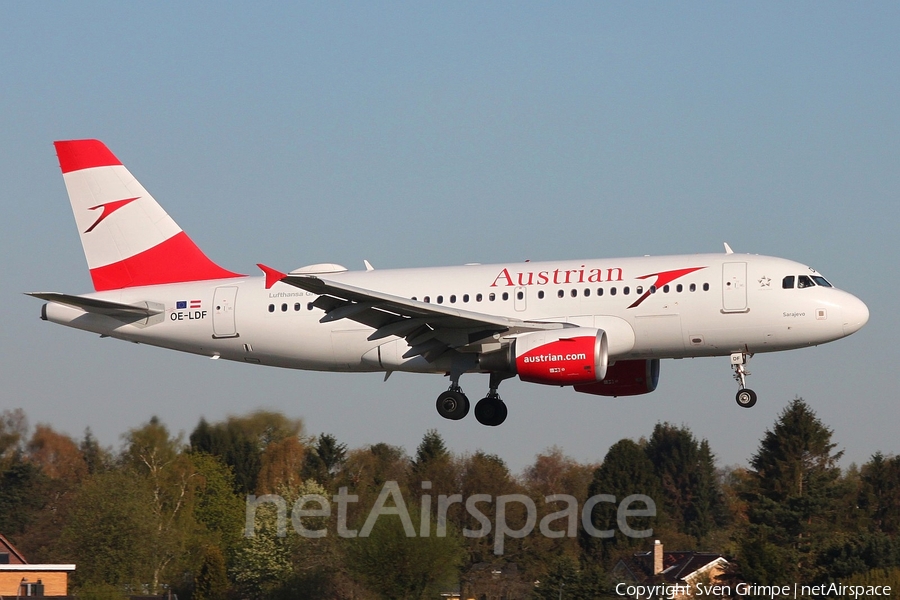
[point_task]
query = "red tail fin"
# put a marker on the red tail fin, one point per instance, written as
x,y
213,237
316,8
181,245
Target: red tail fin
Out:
x,y
128,239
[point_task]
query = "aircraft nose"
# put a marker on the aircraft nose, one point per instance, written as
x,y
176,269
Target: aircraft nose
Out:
x,y
856,314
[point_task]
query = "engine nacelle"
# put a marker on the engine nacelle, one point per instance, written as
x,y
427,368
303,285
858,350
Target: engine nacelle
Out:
x,y
578,355
626,378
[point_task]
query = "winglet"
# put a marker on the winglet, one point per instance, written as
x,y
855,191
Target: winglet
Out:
x,y
272,276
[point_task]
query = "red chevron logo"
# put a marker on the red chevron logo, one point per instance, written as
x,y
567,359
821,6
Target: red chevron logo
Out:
x,y
108,209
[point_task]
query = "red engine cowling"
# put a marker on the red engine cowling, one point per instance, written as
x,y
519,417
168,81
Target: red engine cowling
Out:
x,y
578,355
626,378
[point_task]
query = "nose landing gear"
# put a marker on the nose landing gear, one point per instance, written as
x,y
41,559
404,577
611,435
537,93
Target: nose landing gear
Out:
x,y
745,398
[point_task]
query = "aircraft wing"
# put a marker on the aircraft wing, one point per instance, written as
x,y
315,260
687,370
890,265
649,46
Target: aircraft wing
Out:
x,y
429,329
101,307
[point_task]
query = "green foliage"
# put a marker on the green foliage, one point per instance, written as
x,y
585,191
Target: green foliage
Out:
x,y
565,579
20,497
217,508
240,442
879,495
107,530
626,470
398,567
265,562
792,498
325,460
691,496
212,581
13,429
158,516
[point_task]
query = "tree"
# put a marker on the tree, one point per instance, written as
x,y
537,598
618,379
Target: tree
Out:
x,y
95,457
161,463
625,471
280,464
13,429
267,561
57,455
395,566
325,460
240,442
691,496
879,494
792,496
212,581
107,531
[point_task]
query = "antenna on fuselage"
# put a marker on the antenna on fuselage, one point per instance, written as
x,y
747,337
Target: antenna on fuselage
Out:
x,y
728,249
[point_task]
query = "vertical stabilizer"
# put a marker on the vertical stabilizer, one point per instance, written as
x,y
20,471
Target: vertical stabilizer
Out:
x,y
128,239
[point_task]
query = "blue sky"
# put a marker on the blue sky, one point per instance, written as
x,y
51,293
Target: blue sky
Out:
x,y
445,133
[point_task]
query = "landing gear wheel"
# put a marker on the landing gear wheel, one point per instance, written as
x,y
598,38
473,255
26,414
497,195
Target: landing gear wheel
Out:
x,y
453,405
746,398
491,411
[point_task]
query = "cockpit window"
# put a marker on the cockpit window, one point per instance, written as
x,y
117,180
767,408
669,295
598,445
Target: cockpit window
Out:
x,y
788,282
821,281
804,282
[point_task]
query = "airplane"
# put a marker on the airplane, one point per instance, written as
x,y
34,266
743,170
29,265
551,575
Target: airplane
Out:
x,y
600,326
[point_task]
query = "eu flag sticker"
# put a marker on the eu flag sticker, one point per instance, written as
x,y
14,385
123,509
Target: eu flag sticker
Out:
x,y
181,304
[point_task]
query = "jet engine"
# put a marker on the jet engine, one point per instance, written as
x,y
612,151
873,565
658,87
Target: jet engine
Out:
x,y
578,355
626,378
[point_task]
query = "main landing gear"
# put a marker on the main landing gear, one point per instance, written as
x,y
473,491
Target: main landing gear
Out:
x,y
490,410
746,398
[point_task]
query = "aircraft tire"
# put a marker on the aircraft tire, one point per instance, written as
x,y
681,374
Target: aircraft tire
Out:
x,y
746,398
452,405
491,411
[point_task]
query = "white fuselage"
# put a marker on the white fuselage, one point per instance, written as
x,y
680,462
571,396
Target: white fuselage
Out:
x,y
714,305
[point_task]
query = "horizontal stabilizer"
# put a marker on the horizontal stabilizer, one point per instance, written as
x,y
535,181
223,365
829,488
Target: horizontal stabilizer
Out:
x,y
97,306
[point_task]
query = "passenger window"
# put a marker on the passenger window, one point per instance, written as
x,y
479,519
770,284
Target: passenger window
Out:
x,y
788,282
440,299
666,289
271,308
574,293
506,295
284,307
465,297
626,290
561,294
541,294
309,306
453,299
587,292
693,287
804,282
599,291
296,306
478,297
679,288
639,289
652,289
520,295
492,296
413,298
426,299
705,287
612,291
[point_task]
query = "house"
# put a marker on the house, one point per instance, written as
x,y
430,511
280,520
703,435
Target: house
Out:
x,y
20,578
684,569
